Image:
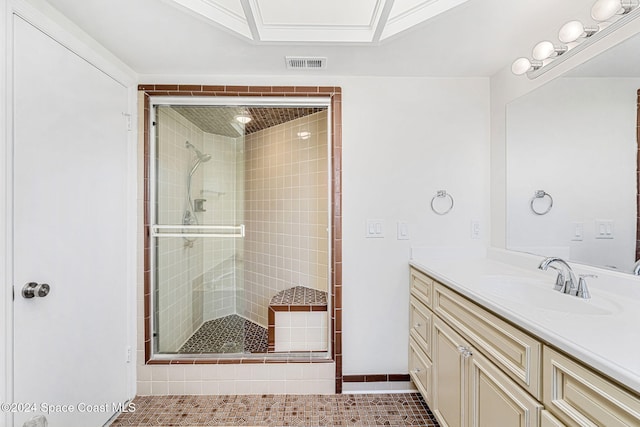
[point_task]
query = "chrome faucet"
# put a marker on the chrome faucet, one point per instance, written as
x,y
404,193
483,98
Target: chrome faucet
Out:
x,y
565,281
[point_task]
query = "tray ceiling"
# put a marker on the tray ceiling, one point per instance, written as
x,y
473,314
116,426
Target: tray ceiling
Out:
x,y
333,21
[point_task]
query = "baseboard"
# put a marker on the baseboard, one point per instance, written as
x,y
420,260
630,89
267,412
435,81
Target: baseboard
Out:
x,y
377,383
375,378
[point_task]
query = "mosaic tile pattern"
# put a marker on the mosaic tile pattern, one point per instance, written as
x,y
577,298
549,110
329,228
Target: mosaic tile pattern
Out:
x,y
217,120
230,334
299,295
280,410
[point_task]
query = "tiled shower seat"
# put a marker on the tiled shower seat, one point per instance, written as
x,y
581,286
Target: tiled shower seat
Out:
x,y
298,320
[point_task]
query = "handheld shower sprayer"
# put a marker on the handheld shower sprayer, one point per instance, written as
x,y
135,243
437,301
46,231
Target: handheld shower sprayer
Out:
x,y
201,157
189,217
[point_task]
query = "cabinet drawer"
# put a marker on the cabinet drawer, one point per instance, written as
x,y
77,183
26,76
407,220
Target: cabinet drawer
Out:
x,y
420,370
420,322
581,397
515,352
421,287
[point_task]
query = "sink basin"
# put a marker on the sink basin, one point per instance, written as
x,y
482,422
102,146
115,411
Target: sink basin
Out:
x,y
540,296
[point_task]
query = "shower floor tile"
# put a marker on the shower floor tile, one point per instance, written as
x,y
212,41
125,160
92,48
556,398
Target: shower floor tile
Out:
x,y
280,410
230,334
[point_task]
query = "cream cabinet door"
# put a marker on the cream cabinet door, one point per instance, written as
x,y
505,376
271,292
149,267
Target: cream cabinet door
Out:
x,y
449,375
496,400
548,420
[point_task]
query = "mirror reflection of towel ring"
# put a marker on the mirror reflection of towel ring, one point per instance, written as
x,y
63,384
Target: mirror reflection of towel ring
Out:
x,y
541,194
442,194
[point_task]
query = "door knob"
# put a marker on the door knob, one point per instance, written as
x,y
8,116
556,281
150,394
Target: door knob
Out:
x,y
33,289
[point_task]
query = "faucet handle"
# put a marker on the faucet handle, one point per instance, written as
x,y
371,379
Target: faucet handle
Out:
x,y
583,291
560,279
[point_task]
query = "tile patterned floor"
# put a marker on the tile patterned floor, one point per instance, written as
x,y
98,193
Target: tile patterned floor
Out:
x,y
280,410
230,334
299,295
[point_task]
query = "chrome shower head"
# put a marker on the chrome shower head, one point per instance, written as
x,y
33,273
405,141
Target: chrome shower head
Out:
x,y
201,157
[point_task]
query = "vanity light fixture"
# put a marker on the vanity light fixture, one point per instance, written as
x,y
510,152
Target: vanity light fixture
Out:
x,y
574,30
576,36
604,10
546,49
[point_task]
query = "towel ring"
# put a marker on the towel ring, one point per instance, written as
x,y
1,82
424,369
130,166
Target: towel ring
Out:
x,y
541,194
440,195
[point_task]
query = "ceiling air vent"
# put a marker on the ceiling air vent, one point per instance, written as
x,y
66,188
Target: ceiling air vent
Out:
x,y
306,62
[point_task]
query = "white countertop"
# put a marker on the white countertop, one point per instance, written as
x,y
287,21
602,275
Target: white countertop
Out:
x,y
603,332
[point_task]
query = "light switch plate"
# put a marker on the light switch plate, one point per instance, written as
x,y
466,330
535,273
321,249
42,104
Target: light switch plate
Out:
x,y
403,230
577,231
604,229
374,229
475,229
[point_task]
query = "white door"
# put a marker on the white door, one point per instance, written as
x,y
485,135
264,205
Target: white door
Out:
x,y
70,226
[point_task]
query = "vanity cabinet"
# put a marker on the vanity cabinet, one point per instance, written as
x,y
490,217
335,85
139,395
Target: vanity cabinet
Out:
x,y
580,397
474,369
469,390
455,365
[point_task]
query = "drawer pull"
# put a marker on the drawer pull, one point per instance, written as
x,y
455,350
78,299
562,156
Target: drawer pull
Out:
x,y
416,370
417,325
465,351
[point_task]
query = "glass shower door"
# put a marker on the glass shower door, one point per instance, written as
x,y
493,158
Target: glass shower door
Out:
x,y
197,235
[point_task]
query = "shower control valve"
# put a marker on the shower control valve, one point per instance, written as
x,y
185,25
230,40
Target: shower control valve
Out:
x,y
33,289
199,205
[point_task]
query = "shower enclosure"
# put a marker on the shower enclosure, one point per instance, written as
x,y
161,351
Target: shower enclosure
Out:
x,y
240,227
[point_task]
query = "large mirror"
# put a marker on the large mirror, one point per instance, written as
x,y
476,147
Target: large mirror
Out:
x,y
572,162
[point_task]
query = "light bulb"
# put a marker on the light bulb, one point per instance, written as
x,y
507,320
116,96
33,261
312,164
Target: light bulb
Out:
x,y
242,118
543,50
520,66
573,30
603,10
304,134
546,49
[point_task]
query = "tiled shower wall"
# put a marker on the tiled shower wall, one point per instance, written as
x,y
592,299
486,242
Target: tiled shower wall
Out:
x,y
286,212
195,280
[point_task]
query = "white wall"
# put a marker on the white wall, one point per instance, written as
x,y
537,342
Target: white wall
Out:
x,y
404,139
576,139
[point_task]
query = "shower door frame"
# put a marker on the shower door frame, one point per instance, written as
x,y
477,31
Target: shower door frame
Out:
x,y
329,97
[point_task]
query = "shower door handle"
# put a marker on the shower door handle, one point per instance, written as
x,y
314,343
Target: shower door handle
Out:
x,y
33,289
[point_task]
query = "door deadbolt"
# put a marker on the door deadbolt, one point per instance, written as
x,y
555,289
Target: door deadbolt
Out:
x,y
33,289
